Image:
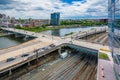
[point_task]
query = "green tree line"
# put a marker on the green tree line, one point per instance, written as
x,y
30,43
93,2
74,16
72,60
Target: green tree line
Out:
x,y
82,22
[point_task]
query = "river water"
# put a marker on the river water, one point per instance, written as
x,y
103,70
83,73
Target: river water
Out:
x,y
8,41
62,32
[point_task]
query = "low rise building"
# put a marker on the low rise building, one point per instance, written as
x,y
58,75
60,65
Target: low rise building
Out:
x,y
35,23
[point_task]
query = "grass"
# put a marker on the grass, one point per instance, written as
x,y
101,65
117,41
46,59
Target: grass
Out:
x,y
1,34
103,56
69,34
39,29
43,28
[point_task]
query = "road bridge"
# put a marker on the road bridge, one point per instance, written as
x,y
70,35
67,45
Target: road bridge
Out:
x,y
44,40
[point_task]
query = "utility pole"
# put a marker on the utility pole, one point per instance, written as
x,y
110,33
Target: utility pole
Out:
x,y
86,35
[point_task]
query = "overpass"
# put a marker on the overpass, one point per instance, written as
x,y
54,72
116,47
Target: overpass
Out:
x,y
40,42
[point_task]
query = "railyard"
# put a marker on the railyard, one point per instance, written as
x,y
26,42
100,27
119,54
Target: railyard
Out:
x,y
77,66
100,38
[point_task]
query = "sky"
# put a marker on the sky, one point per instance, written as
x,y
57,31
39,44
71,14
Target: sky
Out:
x,y
41,9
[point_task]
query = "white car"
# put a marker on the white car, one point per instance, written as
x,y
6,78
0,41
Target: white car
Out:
x,y
62,37
41,50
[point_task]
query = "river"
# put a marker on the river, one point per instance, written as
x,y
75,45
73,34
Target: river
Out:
x,y
62,32
8,41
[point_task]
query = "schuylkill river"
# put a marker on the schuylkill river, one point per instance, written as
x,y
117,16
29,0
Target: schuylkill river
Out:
x,y
63,31
8,41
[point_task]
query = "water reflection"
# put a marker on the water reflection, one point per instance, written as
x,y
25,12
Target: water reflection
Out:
x,y
8,41
64,31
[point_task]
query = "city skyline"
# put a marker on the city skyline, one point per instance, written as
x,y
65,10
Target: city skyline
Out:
x,y
69,9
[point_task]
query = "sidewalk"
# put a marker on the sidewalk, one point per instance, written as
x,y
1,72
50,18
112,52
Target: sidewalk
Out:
x,y
105,68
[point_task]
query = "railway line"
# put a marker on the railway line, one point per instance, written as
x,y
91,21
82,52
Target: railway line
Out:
x,y
86,71
64,73
79,66
75,69
101,38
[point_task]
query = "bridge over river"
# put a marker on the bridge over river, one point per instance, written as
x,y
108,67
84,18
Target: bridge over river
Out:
x,y
41,41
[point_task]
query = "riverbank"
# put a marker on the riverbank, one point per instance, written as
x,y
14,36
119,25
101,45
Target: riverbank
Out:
x,y
45,28
2,34
69,33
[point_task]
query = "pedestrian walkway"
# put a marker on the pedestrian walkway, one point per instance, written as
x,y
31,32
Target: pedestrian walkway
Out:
x,y
105,67
105,71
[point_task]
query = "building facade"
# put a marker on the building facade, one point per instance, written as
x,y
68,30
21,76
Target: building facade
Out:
x,y
55,19
114,33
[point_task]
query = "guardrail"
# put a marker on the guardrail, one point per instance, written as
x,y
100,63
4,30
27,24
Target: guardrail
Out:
x,y
36,56
32,57
87,33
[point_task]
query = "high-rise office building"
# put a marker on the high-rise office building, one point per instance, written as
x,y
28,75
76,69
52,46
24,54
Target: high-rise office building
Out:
x,y
114,33
55,19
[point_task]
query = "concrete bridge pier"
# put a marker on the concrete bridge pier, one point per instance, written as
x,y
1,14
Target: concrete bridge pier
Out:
x,y
18,35
59,50
10,72
37,56
28,63
86,35
26,37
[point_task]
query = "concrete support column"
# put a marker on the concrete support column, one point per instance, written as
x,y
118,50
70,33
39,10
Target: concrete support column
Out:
x,y
10,72
26,36
7,32
29,63
37,56
37,59
16,35
67,51
95,32
86,35
59,50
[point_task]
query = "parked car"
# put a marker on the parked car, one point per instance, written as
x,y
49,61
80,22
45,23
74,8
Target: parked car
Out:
x,y
62,37
10,59
45,48
41,50
70,42
24,55
52,45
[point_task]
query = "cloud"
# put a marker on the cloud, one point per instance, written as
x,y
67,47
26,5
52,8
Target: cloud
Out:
x,y
42,9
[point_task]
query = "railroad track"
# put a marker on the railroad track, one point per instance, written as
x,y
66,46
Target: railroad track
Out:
x,y
91,38
49,75
100,38
92,72
79,74
65,74
67,70
74,68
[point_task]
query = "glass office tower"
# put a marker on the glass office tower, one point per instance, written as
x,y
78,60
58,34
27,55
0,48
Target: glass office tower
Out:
x,y
55,19
114,33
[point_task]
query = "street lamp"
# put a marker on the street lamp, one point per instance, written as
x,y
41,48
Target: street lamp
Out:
x,y
52,38
86,35
95,32
71,39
